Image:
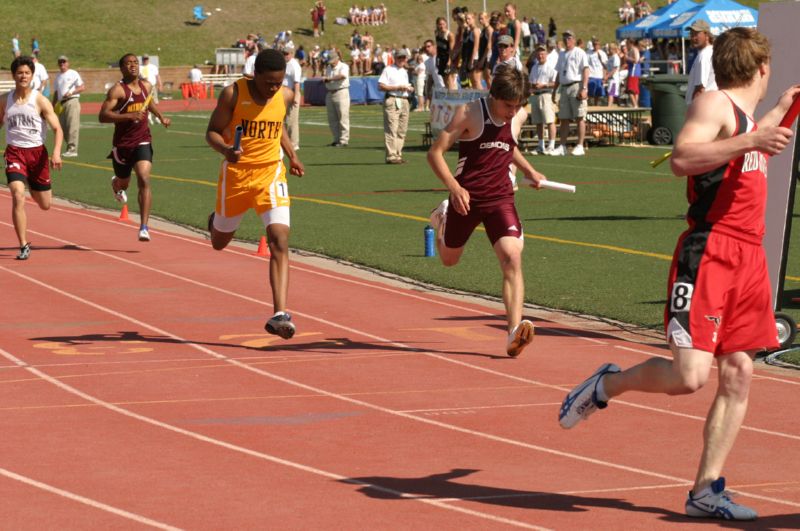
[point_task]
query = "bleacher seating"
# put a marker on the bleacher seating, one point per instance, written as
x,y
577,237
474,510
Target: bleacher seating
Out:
x,y
7,85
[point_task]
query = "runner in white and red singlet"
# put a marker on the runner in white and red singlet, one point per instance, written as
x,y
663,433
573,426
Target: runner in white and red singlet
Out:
x,y
26,114
124,106
719,304
481,191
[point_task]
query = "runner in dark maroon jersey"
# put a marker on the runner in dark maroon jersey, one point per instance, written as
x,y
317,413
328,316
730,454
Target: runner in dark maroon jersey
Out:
x,y
124,106
719,304
481,191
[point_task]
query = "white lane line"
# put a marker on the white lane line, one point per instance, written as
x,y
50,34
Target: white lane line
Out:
x,y
82,499
368,405
247,451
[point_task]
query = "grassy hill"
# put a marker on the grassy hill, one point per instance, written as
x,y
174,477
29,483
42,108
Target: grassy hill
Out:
x,y
95,33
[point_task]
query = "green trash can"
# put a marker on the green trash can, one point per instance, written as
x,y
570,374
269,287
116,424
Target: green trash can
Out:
x,y
668,109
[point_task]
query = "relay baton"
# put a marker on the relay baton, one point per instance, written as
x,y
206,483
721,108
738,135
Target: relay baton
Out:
x,y
661,159
147,101
561,187
791,114
237,138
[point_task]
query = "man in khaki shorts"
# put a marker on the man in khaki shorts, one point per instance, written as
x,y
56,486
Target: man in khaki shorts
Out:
x,y
542,80
572,86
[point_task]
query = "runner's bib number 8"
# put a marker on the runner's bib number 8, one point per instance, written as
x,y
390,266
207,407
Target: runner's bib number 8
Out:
x,y
681,299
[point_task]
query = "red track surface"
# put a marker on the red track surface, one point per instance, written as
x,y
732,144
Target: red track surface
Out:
x,y
138,388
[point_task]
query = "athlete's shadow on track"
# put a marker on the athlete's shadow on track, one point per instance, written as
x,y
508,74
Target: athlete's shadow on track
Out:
x,y
37,248
442,486
329,345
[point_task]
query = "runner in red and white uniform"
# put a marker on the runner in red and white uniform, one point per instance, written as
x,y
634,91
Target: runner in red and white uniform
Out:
x,y
481,191
719,304
124,106
26,114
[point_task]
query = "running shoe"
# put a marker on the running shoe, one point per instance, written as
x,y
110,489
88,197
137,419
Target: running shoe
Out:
x,y
560,151
582,401
144,234
119,195
439,218
519,338
715,502
280,325
578,151
24,252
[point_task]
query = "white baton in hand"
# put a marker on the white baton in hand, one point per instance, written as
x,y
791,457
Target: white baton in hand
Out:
x,y
561,187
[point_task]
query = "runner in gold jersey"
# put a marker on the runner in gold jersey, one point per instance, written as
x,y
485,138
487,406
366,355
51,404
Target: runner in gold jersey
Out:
x,y
254,175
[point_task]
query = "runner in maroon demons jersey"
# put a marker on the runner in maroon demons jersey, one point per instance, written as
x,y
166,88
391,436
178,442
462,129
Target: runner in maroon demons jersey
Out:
x,y
125,107
481,191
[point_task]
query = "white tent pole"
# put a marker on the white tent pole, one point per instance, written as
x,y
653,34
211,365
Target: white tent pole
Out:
x,y
447,13
683,54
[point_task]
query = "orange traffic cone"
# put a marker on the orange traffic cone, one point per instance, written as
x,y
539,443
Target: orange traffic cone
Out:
x,y
263,250
123,216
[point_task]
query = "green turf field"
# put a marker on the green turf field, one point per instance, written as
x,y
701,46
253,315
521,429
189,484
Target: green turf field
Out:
x,y
603,251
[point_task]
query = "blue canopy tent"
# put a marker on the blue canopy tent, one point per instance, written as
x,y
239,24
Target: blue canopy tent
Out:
x,y
639,29
721,15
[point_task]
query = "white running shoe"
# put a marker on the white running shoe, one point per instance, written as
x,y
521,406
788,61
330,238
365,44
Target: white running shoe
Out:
x,y
439,218
582,401
120,194
715,502
560,151
578,151
280,325
519,338
144,234
69,153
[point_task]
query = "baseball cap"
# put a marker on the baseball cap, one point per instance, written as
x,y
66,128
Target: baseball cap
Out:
x,y
333,56
145,56
401,52
506,39
63,58
541,47
700,25
568,33
288,48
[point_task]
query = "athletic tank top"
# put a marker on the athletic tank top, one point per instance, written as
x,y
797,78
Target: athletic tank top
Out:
x,y
467,45
131,134
732,199
262,126
483,42
442,50
25,126
483,162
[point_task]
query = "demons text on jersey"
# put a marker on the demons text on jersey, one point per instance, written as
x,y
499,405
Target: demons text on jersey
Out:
x,y
499,145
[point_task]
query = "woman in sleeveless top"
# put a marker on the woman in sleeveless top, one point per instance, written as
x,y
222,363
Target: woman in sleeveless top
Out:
x,y
444,44
460,19
470,53
484,50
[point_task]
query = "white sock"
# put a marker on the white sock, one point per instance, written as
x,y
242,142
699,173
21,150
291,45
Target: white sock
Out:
x,y
277,314
600,389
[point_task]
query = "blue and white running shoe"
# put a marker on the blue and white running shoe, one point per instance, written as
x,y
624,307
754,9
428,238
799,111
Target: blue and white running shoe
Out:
x,y
582,401
715,502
